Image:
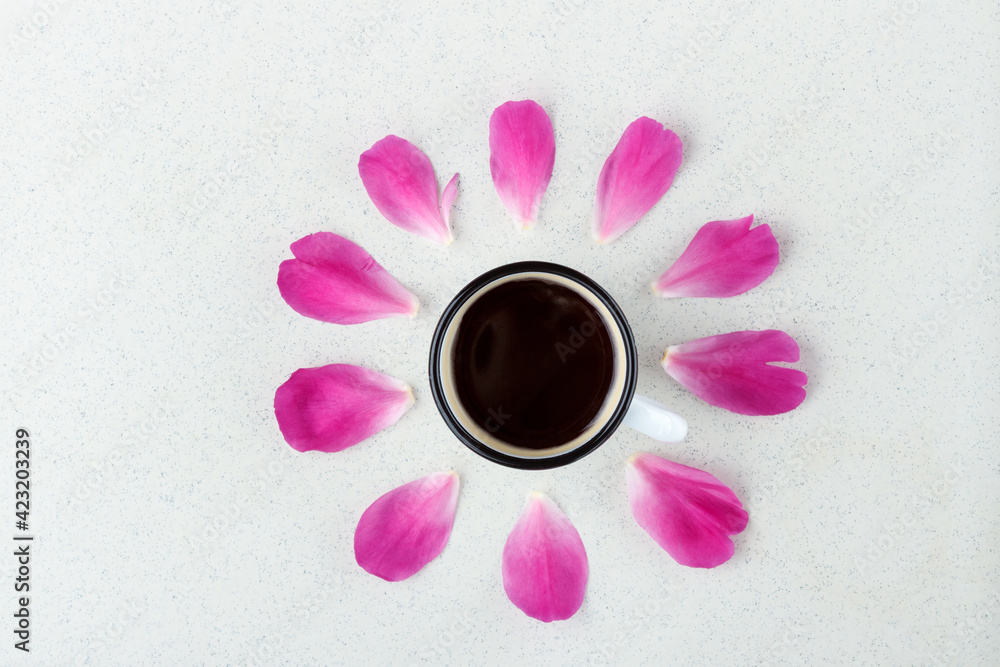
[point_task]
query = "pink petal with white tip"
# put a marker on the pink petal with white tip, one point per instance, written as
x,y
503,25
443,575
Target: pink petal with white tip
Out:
x,y
635,176
732,371
330,408
725,258
408,527
545,566
687,511
522,153
400,180
334,280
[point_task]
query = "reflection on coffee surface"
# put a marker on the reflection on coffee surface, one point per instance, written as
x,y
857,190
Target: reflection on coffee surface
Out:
x,y
533,362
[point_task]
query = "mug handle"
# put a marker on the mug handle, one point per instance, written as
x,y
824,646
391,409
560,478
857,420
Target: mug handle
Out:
x,y
647,416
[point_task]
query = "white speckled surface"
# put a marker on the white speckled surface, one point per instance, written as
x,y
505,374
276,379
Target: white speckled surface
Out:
x,y
175,527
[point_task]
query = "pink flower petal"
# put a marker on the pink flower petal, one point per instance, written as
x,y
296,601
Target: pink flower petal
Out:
x,y
731,371
522,152
447,199
637,173
544,563
334,280
407,528
688,512
333,407
725,258
400,180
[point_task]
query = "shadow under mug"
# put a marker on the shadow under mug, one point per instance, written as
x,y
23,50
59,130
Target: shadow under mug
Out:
x,y
621,403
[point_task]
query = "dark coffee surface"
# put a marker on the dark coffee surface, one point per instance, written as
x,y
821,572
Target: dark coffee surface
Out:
x,y
533,363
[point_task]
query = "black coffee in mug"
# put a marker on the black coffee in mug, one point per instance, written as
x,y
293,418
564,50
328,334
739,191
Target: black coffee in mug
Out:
x,y
533,366
533,363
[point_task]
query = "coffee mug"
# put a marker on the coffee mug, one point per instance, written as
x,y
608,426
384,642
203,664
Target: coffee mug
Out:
x,y
533,366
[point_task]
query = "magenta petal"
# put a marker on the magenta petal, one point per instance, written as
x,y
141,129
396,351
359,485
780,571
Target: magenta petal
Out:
x,y
334,280
333,407
400,180
544,563
688,512
725,258
731,371
522,152
408,527
638,172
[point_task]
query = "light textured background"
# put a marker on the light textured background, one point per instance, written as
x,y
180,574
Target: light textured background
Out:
x,y
146,206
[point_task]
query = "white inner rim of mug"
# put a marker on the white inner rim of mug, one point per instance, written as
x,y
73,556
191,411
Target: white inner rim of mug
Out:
x,y
478,432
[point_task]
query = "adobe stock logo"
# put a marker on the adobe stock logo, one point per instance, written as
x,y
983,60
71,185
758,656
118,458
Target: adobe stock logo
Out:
x,y
577,339
896,532
496,419
50,347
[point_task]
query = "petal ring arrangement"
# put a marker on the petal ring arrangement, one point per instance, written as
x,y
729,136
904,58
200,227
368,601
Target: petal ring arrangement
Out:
x,y
688,512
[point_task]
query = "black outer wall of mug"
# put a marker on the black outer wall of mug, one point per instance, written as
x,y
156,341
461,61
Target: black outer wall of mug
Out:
x,y
437,388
